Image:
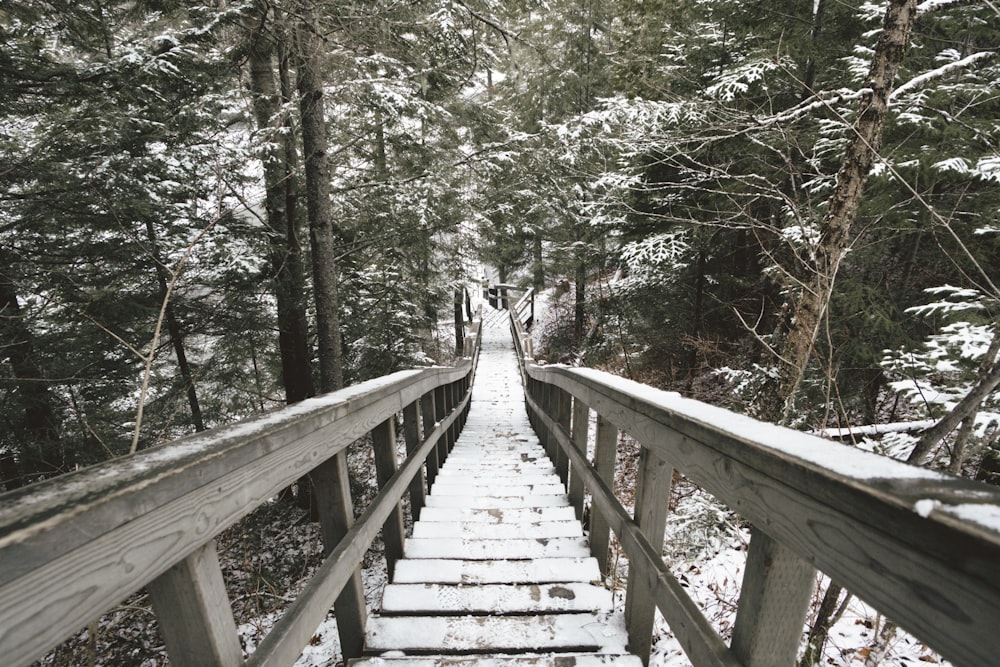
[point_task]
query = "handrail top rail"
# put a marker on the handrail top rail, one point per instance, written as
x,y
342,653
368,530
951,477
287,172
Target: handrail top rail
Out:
x,y
27,513
956,507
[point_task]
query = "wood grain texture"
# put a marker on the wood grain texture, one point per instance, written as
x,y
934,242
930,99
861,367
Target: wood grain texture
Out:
x,y
411,438
384,448
194,614
934,575
774,598
605,458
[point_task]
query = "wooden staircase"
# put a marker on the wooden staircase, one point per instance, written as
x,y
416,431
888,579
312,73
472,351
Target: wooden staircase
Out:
x,y
498,571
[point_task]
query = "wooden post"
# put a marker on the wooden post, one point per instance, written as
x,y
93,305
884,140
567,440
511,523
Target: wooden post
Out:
x,y
545,403
581,426
605,455
386,464
652,500
336,516
774,600
428,413
193,610
411,435
563,409
440,412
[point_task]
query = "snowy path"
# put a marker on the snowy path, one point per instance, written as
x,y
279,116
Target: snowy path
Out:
x,y
498,572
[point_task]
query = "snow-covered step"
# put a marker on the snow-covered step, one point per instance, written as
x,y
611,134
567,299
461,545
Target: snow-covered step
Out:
x,y
477,572
499,502
453,474
453,634
507,489
480,530
457,548
551,660
495,515
494,599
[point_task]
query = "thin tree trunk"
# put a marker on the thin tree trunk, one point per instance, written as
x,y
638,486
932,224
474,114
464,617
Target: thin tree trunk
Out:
x,y
538,264
794,344
174,331
821,626
965,409
39,427
284,250
580,300
459,322
321,231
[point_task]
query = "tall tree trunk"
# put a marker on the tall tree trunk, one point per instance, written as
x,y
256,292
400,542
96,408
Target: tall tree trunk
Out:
x,y
798,330
174,331
39,452
459,322
284,249
580,300
321,231
538,264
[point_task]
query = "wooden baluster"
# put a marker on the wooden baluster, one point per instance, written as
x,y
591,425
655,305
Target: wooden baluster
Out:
x,y
386,464
440,412
581,426
652,501
774,600
544,402
428,413
336,516
563,411
411,435
605,456
193,610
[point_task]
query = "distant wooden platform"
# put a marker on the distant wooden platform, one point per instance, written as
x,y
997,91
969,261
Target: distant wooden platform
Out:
x,y
498,572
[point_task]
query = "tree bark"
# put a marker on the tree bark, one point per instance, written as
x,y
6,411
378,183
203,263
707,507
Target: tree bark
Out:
x,y
459,322
321,231
284,249
579,300
798,331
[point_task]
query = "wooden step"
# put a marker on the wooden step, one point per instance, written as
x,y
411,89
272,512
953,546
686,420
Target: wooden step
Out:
x,y
496,599
492,634
476,572
549,488
490,481
551,660
479,530
498,502
496,515
494,472
517,549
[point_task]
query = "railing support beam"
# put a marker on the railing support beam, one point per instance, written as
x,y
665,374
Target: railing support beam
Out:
x,y
336,516
652,500
774,600
386,464
581,427
605,458
411,436
193,610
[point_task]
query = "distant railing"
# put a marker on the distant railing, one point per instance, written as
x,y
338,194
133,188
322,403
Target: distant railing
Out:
x,y
920,546
73,547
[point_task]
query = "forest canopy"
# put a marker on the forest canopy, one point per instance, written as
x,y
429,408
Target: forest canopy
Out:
x,y
211,209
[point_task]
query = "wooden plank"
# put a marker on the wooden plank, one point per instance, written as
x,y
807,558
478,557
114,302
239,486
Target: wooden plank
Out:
x,y
502,471
563,410
477,572
193,612
565,632
332,486
495,502
498,489
605,458
496,599
942,584
652,501
411,438
384,449
498,516
461,549
774,598
480,530
552,660
428,415
581,427
487,480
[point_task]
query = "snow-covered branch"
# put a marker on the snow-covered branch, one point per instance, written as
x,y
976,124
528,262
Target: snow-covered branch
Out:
x,y
922,79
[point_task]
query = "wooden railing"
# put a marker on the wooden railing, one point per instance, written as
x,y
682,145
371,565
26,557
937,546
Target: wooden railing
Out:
x,y
73,547
921,547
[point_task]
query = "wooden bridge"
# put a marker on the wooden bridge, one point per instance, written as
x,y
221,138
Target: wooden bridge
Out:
x,y
498,569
